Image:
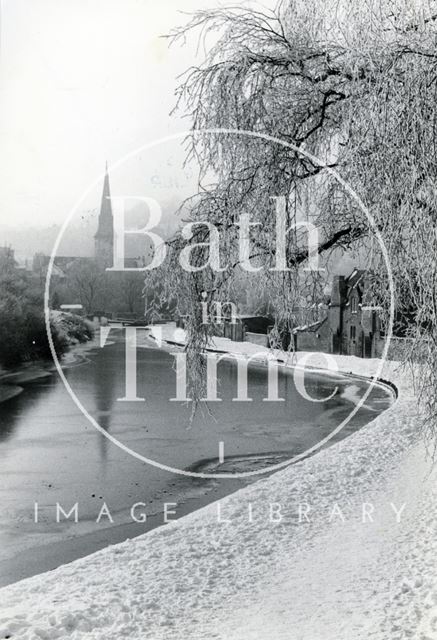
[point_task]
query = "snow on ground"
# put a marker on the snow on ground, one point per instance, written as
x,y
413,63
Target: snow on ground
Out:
x,y
330,576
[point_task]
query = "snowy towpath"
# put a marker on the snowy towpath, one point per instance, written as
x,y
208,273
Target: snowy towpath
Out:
x,y
328,576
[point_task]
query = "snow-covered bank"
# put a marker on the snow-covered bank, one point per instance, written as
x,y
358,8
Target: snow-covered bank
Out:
x,y
8,391
329,575
74,331
11,381
168,336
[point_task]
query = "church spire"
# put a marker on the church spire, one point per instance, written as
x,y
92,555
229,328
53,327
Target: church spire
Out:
x,y
104,237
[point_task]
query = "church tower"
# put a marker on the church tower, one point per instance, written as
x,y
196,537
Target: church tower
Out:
x,y
104,237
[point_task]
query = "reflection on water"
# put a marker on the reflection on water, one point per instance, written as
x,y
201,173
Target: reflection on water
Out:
x,y
103,387
50,453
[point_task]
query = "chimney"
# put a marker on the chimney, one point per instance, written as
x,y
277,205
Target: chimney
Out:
x,y
338,291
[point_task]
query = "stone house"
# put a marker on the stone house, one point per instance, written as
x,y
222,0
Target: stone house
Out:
x,y
315,336
347,325
354,326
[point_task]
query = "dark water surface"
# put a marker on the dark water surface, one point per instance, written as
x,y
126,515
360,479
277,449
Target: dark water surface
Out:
x,y
49,452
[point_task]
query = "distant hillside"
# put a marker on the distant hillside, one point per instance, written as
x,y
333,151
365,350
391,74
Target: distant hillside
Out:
x,y
28,241
78,239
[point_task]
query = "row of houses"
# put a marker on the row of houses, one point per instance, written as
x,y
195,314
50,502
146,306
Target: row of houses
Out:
x,y
346,325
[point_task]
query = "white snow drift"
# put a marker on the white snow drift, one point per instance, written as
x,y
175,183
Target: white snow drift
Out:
x,y
359,562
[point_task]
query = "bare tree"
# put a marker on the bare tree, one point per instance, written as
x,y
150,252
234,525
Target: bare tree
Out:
x,y
353,84
88,281
131,292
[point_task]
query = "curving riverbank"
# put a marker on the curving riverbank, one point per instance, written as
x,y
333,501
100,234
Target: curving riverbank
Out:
x,y
257,436
168,336
11,381
220,573
8,391
76,333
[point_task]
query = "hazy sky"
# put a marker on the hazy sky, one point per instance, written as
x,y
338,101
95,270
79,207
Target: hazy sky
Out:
x,y
82,81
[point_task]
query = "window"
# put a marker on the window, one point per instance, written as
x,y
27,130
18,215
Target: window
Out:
x,y
354,305
353,333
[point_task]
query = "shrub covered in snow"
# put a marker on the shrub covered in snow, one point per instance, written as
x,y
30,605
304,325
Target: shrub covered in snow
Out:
x,y
71,327
24,335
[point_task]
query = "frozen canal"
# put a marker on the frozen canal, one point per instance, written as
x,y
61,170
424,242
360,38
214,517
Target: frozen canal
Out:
x,y
49,453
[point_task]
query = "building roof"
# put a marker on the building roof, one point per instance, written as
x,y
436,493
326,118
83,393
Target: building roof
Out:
x,y
105,229
310,328
356,277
